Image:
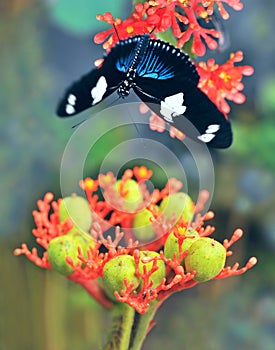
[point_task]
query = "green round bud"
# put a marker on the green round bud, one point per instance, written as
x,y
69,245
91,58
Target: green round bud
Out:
x,y
172,246
134,195
179,204
67,246
83,239
206,256
58,250
116,271
78,210
159,274
142,225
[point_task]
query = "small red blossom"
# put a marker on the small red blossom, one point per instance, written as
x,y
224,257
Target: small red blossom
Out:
x,y
142,173
99,250
220,82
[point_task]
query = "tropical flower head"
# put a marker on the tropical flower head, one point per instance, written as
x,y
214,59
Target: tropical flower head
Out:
x,y
221,82
134,246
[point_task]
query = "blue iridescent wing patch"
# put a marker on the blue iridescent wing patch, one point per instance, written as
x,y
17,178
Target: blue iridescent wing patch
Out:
x,y
127,53
163,61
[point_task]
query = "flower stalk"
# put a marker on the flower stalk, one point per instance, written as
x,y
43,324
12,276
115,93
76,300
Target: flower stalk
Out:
x,y
121,327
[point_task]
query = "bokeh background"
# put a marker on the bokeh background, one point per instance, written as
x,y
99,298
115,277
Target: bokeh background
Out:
x,y
44,45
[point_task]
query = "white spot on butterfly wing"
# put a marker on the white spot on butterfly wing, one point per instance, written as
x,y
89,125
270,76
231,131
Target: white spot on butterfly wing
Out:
x,y
172,106
99,90
206,137
71,99
212,128
69,109
209,133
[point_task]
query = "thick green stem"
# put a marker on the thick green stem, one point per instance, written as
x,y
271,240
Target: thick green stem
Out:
x,y
142,326
121,327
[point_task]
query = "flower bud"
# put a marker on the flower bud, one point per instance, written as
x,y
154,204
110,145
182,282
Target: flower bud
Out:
x,y
117,270
133,196
179,204
142,225
172,246
67,246
159,274
206,256
59,249
83,239
78,210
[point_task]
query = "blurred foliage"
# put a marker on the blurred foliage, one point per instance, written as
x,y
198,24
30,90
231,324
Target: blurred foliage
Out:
x,y
267,97
220,316
28,127
15,6
254,132
255,143
46,310
80,16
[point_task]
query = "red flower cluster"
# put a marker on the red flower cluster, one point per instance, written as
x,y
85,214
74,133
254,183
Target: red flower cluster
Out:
x,y
182,16
220,82
88,267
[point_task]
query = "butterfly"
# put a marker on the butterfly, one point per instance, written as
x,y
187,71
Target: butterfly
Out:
x,y
163,77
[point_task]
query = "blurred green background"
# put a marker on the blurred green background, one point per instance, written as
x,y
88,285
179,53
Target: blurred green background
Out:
x,y
45,45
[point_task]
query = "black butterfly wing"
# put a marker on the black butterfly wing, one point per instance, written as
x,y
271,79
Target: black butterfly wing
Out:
x,y
99,83
167,82
91,89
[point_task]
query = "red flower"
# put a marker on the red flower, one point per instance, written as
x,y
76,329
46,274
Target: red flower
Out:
x,y
220,82
86,265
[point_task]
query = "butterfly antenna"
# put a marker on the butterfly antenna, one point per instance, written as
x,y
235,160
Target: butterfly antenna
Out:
x,y
116,32
76,125
152,30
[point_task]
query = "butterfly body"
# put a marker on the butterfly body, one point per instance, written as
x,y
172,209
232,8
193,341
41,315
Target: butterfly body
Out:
x,y
163,77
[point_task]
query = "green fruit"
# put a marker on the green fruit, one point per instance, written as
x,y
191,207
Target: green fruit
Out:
x,y
83,239
142,225
206,256
171,245
58,250
179,204
134,195
67,246
116,271
159,274
78,210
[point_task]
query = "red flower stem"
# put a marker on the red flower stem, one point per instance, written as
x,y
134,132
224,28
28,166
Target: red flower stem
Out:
x,y
120,331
